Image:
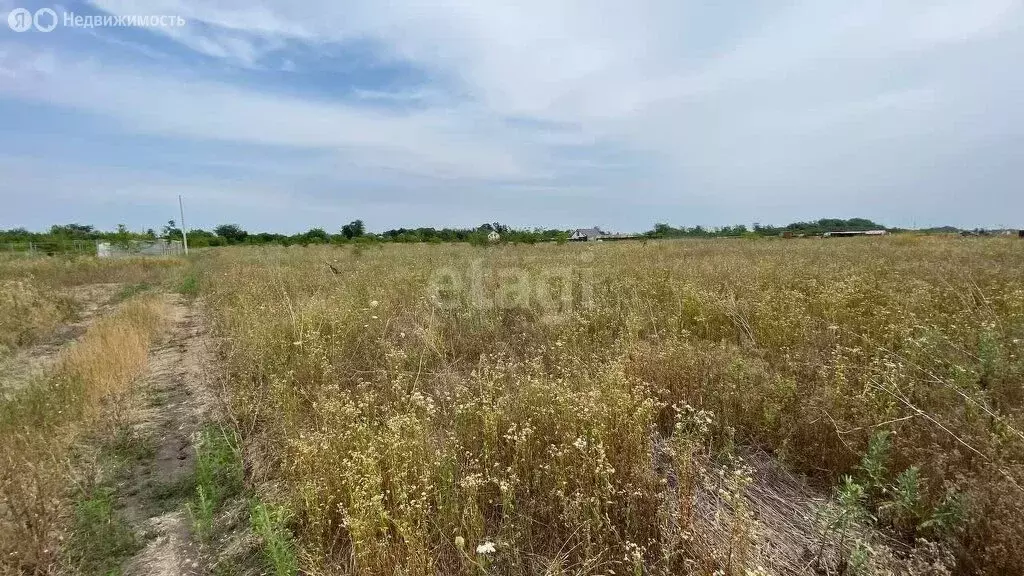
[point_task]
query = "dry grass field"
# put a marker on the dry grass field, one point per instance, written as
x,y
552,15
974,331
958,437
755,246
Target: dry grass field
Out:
x,y
735,407
36,293
77,394
42,423
706,407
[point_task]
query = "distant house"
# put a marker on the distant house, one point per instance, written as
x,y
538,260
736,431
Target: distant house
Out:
x,y
493,236
588,234
984,232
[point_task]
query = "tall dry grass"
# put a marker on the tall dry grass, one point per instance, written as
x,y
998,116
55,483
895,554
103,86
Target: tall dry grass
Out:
x,y
557,409
39,426
36,295
66,271
29,313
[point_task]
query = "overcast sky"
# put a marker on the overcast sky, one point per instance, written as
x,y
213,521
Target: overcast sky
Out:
x,y
285,115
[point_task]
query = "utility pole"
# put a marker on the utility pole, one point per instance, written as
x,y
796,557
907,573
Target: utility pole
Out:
x,y
184,236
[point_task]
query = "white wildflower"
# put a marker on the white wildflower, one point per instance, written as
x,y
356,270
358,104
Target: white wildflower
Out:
x,y
485,548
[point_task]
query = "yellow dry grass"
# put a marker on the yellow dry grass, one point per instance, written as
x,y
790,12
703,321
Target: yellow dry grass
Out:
x,y
64,271
569,409
35,291
40,424
29,313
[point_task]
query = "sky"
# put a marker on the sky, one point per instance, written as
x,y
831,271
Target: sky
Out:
x,y
282,115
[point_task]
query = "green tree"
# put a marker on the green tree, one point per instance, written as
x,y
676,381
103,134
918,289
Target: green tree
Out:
x,y
122,237
233,233
171,231
353,229
317,236
77,231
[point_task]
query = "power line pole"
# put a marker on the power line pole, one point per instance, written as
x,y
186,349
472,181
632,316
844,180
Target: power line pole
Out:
x,y
184,236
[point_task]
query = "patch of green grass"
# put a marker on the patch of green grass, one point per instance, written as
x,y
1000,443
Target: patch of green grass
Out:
x,y
201,510
219,476
100,540
270,524
131,290
128,447
189,285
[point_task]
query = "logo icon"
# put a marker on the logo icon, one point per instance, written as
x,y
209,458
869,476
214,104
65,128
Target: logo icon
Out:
x,y
43,24
20,19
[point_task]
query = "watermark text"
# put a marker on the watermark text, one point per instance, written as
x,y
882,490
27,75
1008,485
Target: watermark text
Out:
x,y
48,20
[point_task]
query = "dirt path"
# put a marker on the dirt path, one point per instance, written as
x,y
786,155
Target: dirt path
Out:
x,y
95,301
179,401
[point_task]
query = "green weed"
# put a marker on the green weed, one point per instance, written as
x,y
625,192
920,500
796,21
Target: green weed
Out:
x,y
126,448
873,464
219,476
99,539
189,285
270,524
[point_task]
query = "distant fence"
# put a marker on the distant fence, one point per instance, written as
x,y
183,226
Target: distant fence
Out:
x,y
85,247
139,248
100,248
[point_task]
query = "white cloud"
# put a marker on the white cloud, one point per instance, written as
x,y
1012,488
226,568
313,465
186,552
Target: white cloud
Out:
x,y
808,104
436,143
958,21
577,59
238,50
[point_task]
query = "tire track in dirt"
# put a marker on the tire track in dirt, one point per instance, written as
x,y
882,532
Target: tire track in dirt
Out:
x,y
180,400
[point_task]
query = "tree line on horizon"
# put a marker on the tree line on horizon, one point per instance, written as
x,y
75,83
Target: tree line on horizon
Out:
x,y
355,231
807,228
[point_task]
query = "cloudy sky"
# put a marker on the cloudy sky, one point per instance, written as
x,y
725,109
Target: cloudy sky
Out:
x,y
287,115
